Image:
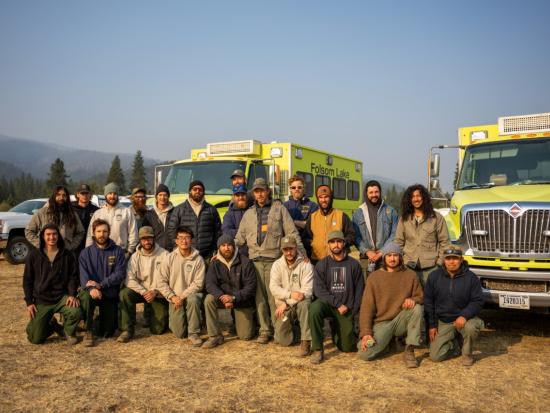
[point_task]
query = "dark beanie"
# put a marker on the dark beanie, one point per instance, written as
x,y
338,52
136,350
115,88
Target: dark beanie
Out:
x,y
226,239
162,188
195,183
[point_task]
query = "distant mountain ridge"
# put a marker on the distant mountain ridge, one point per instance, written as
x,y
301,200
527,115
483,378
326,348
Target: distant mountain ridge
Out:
x,y
34,157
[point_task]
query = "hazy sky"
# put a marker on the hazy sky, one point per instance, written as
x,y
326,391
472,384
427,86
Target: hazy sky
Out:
x,y
378,81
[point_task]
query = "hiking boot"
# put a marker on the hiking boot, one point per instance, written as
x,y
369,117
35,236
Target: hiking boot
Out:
x,y
467,360
72,340
89,340
263,338
213,342
57,328
317,357
124,337
305,348
195,340
409,358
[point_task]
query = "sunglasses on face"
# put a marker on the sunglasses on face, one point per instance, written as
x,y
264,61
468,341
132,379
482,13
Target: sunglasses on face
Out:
x,y
296,187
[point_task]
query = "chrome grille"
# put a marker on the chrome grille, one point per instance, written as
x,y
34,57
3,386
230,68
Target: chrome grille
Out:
x,y
494,230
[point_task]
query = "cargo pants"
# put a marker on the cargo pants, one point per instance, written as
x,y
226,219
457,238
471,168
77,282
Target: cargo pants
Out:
x,y
158,313
187,318
342,327
445,345
284,330
108,313
40,328
265,303
244,319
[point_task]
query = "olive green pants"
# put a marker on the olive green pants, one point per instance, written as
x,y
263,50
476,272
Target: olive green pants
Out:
x,y
284,330
158,316
244,319
187,318
445,345
40,327
265,304
342,327
108,314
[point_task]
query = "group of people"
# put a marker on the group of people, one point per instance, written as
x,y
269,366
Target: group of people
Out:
x,y
281,269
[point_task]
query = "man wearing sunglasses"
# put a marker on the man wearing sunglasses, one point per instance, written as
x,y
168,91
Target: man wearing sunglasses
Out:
x,y
452,301
299,206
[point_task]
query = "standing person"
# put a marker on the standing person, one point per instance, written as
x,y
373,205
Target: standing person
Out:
x,y
323,221
391,307
59,211
231,284
201,217
138,208
234,215
375,223
158,217
140,286
421,232
299,206
453,300
338,285
102,270
123,228
50,281
181,282
291,285
261,229
239,178
84,209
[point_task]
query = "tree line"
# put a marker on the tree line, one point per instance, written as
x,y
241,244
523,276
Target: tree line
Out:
x,y
18,189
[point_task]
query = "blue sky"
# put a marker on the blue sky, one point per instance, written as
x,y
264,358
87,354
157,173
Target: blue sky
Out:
x,y
377,81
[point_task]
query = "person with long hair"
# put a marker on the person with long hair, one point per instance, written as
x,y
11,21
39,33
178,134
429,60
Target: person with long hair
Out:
x,y
59,211
421,232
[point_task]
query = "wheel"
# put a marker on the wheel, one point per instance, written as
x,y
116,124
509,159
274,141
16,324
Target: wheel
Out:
x,y
17,250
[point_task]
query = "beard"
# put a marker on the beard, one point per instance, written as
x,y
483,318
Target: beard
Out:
x,y
112,201
375,201
101,240
197,197
227,255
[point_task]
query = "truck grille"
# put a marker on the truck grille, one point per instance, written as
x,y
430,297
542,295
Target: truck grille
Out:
x,y
495,230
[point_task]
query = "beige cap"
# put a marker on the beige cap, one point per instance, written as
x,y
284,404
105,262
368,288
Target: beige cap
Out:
x,y
145,232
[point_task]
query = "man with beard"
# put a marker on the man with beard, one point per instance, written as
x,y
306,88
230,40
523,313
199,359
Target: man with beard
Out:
x,y
453,300
158,217
338,285
201,217
261,229
234,215
140,287
181,282
391,307
231,284
299,206
292,287
138,208
84,209
59,211
123,228
102,270
323,221
50,282
374,223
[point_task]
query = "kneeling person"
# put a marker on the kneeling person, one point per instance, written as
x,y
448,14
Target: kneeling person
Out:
x,y
50,282
102,270
453,299
141,280
231,284
181,282
291,284
391,307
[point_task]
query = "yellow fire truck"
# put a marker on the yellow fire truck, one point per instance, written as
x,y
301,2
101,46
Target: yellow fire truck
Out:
x,y
275,161
500,210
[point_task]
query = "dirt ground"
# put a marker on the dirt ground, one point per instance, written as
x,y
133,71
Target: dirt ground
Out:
x,y
163,373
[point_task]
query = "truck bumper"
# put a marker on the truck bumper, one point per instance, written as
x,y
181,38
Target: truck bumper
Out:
x,y
536,299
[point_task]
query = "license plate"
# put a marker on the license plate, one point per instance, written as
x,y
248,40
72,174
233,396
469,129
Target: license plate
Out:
x,y
514,301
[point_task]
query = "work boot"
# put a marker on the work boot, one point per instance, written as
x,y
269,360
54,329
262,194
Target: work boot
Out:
x,y
89,340
124,337
317,357
305,348
195,340
467,360
263,338
57,328
213,342
72,340
409,358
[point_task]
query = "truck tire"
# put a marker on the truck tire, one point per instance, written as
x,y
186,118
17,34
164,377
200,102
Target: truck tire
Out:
x,y
17,250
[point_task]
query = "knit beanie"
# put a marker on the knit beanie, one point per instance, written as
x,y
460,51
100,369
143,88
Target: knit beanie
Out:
x,y
226,239
195,183
162,188
111,187
391,248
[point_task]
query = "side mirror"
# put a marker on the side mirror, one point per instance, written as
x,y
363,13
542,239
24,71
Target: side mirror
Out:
x,y
434,184
434,166
34,211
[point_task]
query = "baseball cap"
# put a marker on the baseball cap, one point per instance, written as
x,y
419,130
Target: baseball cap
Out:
x,y
237,172
145,232
83,188
453,251
288,242
239,189
259,183
335,235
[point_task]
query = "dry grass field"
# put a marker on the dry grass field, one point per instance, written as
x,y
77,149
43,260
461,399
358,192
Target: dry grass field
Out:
x,y
163,373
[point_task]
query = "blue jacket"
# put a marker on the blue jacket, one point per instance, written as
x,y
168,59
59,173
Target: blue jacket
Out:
x,y
387,220
447,298
106,266
302,209
230,225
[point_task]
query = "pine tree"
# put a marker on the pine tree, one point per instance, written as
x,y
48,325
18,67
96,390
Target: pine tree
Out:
x,y
58,175
116,174
138,172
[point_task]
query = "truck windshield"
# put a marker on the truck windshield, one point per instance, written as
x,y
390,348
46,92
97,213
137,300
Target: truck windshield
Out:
x,y
215,175
525,162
